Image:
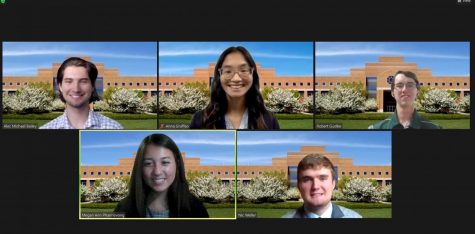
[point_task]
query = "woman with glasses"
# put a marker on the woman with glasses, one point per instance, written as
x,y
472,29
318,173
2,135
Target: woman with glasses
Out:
x,y
236,101
404,89
158,187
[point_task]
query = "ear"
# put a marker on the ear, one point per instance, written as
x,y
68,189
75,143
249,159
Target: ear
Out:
x,y
392,93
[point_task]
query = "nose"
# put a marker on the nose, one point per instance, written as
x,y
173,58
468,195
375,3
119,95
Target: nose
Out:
x,y
315,184
76,87
157,170
236,76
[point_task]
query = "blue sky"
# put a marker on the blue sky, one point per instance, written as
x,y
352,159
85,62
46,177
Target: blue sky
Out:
x,y
443,58
364,147
106,147
131,58
288,58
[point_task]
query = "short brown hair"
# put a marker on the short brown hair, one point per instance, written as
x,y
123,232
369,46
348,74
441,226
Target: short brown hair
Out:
x,y
408,74
315,161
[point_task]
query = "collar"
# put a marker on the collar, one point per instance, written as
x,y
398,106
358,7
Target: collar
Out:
x,y
92,120
244,121
415,121
326,214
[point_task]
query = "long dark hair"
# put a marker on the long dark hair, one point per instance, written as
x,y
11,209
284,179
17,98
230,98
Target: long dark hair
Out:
x,y
178,195
218,104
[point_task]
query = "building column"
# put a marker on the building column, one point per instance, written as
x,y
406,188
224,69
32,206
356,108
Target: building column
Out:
x,y
380,100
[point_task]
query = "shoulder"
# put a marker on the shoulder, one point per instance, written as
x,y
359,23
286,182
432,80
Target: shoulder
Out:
x,y
57,123
384,124
271,121
106,122
349,213
198,209
426,124
294,214
196,120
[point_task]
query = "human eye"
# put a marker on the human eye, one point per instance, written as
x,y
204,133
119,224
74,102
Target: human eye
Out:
x,y
147,163
410,85
227,71
399,86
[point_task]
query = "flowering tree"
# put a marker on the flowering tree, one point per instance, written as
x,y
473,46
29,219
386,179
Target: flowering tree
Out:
x,y
184,100
85,193
123,100
308,105
57,105
341,100
113,189
359,189
211,189
101,106
29,99
292,194
370,105
283,101
151,105
464,104
386,193
438,100
263,189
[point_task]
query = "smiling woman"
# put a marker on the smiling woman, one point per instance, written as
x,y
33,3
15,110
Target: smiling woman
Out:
x,y
236,102
158,187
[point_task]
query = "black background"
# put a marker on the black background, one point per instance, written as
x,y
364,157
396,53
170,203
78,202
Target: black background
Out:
x,y
433,180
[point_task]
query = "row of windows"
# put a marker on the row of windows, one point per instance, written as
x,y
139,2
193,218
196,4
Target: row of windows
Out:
x,y
443,84
286,84
17,83
130,84
227,173
105,173
329,84
168,83
364,173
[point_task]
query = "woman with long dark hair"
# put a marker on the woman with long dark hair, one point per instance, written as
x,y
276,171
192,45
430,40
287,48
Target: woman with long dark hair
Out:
x,y
236,101
158,187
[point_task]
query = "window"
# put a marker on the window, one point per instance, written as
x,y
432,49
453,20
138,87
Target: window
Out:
x,y
428,83
159,83
323,84
387,173
286,83
181,83
301,83
465,84
458,84
115,84
219,173
138,84
351,173
364,173
167,84
316,83
443,83
130,84
308,83
123,83
99,173
421,84
337,83
107,173
245,173
331,83
357,173
152,84
92,173
108,83
210,172
113,173
379,173
174,83
450,83
252,173
128,173
260,173
272,84
436,84
226,173
265,83
294,84
372,173
121,173
84,173
279,84
342,173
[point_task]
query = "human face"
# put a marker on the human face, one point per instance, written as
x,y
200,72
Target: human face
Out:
x,y
236,85
316,188
76,87
405,91
159,168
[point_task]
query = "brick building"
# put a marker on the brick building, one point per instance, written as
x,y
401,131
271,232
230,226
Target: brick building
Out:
x,y
288,165
107,77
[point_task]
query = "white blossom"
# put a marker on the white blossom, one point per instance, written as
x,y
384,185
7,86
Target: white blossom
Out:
x,y
211,189
184,100
370,105
282,100
341,100
361,190
123,100
28,100
112,189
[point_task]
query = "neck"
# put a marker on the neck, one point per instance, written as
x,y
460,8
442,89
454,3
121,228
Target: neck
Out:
x,y
77,116
157,201
319,210
404,114
236,106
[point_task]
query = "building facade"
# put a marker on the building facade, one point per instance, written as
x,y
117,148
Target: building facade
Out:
x,y
344,167
107,77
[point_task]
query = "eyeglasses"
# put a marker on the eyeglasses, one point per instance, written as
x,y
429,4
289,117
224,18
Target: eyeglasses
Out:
x,y
228,73
400,86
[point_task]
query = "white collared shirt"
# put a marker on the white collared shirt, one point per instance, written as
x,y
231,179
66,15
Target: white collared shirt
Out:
x,y
326,214
242,125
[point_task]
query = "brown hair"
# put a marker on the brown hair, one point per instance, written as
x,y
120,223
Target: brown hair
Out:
x,y
315,161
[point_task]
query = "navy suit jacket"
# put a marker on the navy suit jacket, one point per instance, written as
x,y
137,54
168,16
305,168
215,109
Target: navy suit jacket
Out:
x,y
196,122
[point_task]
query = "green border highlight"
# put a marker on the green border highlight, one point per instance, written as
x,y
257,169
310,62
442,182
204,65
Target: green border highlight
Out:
x,y
235,174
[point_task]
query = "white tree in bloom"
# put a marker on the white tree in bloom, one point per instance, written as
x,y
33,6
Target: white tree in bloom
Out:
x,y
57,105
210,188
464,104
283,101
184,100
262,189
101,106
341,100
361,190
30,100
438,100
370,105
123,100
112,189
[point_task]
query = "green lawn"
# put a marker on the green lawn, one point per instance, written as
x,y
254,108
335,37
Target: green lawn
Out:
x,y
278,213
128,121
213,212
363,124
284,124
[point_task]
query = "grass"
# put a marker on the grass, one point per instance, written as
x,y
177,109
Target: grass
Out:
x,y
214,212
363,124
128,121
